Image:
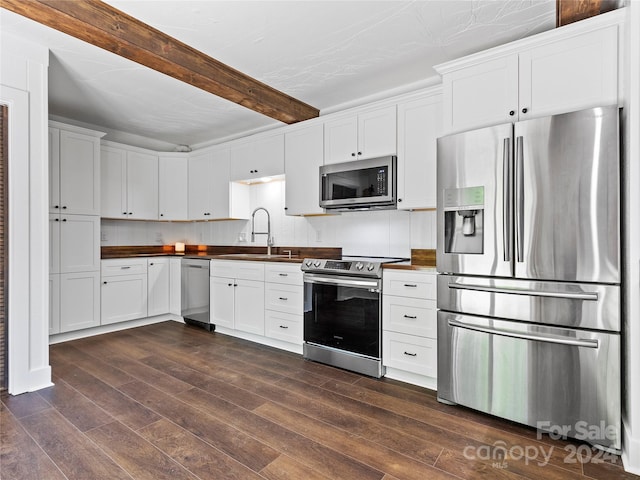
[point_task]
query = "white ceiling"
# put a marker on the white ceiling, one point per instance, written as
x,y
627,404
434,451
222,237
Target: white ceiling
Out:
x,y
325,53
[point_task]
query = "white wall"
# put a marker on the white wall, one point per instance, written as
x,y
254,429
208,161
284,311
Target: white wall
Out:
x,y
631,114
378,233
24,88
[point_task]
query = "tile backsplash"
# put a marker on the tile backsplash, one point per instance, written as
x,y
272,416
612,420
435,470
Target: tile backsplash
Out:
x,y
376,233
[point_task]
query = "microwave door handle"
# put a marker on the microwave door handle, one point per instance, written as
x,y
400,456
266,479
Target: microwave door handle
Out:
x,y
507,198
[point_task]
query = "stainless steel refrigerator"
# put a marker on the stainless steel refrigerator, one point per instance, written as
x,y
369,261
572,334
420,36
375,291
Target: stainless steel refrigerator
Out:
x,y
528,255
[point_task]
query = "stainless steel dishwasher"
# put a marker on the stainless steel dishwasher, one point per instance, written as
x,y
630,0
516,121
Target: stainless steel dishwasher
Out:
x,y
195,292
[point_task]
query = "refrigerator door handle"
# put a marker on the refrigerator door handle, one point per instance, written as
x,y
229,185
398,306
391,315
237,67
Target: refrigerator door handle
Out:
x,y
519,194
589,296
507,198
575,342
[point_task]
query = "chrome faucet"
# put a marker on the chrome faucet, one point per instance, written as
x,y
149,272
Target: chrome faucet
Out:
x,y
267,233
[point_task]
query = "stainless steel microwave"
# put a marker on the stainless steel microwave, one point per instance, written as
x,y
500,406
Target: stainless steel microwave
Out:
x,y
359,185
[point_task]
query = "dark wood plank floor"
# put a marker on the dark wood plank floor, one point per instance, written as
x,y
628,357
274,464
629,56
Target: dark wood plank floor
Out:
x,y
169,401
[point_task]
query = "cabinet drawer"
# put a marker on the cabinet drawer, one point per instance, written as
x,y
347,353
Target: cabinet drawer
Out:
x,y
283,273
410,353
124,266
238,269
409,284
412,316
284,326
283,298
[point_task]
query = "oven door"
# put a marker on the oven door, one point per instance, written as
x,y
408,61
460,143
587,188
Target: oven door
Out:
x,y
343,312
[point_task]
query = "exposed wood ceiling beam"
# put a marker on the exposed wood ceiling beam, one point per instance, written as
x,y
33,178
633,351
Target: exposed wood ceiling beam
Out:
x,y
102,25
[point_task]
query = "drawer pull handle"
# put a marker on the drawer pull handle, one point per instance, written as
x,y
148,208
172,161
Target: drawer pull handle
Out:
x,y
283,274
411,354
283,326
412,317
125,268
412,285
284,299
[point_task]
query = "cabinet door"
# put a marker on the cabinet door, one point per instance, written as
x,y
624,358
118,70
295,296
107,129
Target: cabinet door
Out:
x,y
481,95
200,180
54,243
419,125
173,177
249,306
79,243
222,301
377,132
242,161
54,304
79,174
571,74
303,157
175,285
341,140
113,182
79,301
219,185
123,298
158,286
54,170
142,186
268,155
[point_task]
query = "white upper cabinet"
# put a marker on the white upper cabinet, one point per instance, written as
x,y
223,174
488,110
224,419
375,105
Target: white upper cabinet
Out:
x,y
419,125
74,170
257,157
303,157
129,181
211,194
172,187
567,69
368,134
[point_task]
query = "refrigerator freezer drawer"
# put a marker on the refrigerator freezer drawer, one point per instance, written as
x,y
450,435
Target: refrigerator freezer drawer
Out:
x,y
546,377
573,305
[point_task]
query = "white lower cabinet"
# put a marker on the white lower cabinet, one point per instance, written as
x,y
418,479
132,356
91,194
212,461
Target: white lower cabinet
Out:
x,y
409,326
79,301
237,295
158,286
124,290
284,302
263,300
175,286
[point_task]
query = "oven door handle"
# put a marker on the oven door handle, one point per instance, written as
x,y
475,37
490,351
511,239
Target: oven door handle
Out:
x,y
342,281
574,342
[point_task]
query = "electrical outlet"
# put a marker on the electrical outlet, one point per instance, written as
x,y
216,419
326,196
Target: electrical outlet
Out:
x,y
103,236
318,235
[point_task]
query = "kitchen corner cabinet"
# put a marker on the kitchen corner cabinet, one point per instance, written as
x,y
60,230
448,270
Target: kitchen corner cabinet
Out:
x,y
303,157
129,184
257,157
237,295
409,326
158,286
74,170
366,134
173,178
570,68
419,126
211,194
124,290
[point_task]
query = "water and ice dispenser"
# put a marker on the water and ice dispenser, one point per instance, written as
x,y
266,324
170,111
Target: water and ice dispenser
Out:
x,y
464,220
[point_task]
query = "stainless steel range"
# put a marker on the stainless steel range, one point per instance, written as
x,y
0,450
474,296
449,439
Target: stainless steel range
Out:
x,y
343,312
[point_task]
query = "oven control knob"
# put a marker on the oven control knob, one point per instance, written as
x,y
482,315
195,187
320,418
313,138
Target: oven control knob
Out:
x,y
316,263
359,266
371,266
308,263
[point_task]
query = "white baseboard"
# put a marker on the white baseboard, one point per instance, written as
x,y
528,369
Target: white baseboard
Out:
x,y
412,378
115,327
